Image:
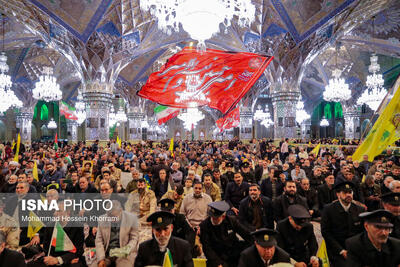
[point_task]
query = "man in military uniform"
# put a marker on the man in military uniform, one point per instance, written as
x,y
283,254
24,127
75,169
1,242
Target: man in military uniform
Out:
x,y
391,203
264,252
248,175
9,257
175,195
221,245
374,248
153,251
296,235
229,174
10,229
182,228
339,222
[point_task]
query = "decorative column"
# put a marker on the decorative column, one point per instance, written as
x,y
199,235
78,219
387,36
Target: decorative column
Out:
x,y
351,121
284,103
134,124
246,123
97,97
72,129
24,124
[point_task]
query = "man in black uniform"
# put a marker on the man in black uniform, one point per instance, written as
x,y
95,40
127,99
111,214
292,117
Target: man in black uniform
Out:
x,y
228,175
153,251
235,192
391,203
264,252
374,248
296,235
221,245
248,175
182,228
339,222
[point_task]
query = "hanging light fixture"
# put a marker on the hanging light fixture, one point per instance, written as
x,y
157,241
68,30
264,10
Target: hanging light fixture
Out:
x,y
144,123
112,117
47,88
301,114
52,124
263,117
80,108
191,117
171,14
324,122
121,115
7,96
375,92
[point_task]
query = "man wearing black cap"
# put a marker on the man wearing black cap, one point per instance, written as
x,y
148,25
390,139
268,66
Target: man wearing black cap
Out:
x,y
247,173
339,222
374,248
391,203
296,235
264,252
153,251
182,228
221,245
229,174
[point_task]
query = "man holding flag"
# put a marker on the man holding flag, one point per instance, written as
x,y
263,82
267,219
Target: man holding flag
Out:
x,y
164,249
62,243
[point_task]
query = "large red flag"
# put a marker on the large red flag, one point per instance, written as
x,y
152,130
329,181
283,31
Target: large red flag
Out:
x,y
215,78
231,120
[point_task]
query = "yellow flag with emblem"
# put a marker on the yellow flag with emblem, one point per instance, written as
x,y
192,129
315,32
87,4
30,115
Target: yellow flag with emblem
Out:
x,y
17,151
35,224
119,142
315,151
385,131
323,254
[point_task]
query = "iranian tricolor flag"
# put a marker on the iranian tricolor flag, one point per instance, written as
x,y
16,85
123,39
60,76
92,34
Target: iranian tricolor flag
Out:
x,y
67,111
60,241
164,113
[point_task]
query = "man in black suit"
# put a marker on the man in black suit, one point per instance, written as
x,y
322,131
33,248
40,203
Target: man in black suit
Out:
x,y
218,235
339,222
264,252
289,197
235,192
255,211
272,186
9,257
326,194
153,251
374,247
310,195
296,235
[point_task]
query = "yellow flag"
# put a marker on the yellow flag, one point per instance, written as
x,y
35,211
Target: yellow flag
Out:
x,y
315,151
17,151
385,131
168,259
171,147
199,262
119,142
35,224
13,144
35,172
363,179
323,254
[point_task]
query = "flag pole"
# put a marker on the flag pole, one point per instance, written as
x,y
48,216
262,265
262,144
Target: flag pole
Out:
x,y
59,124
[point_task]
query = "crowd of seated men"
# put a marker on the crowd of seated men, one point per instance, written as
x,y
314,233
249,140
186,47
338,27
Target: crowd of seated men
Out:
x,y
230,203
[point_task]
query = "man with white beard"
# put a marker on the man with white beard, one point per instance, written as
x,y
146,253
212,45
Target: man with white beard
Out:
x,y
153,251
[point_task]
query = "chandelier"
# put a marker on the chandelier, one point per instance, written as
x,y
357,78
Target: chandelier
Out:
x,y
263,117
47,88
200,19
375,92
144,123
121,115
112,117
337,90
324,122
52,124
190,117
80,109
8,99
5,79
301,114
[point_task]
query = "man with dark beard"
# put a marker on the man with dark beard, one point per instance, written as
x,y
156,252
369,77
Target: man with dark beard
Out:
x,y
339,222
152,252
391,203
255,211
289,197
374,247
